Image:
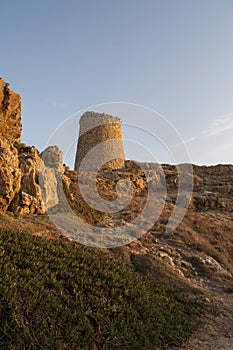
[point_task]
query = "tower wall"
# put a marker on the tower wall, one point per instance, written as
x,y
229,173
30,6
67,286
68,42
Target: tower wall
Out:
x,y
96,128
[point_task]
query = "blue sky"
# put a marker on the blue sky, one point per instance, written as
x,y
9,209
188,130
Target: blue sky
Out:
x,y
174,56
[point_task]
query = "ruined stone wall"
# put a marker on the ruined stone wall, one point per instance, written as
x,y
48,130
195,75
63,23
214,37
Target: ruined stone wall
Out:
x,y
96,128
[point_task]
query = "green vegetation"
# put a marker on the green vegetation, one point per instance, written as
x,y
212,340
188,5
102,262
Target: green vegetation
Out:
x,y
79,206
14,205
197,227
61,295
229,289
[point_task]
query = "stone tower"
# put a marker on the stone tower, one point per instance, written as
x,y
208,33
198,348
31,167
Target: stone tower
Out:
x,y
100,137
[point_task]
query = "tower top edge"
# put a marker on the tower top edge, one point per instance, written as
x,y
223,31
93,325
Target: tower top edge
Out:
x,y
98,117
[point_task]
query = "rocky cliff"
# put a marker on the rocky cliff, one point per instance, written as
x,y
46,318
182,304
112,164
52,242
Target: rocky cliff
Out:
x,y
10,132
21,165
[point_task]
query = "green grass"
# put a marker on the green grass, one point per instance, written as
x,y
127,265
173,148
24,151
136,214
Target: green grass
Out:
x,y
197,228
78,204
61,295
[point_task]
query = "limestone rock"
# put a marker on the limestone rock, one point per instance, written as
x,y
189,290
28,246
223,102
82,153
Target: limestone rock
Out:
x,y
213,186
48,185
30,204
52,158
21,165
10,176
31,196
10,114
50,176
10,131
214,189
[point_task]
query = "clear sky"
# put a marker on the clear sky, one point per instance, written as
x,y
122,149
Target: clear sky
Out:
x,y
174,56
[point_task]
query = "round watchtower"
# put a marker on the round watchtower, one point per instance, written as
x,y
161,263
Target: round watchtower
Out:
x,y
105,131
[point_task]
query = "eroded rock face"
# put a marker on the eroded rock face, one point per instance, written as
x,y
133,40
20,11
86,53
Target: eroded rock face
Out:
x,y
10,114
215,189
31,196
212,186
21,165
10,176
10,131
52,158
50,175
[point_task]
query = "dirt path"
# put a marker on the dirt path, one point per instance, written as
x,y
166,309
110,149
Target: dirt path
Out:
x,y
215,332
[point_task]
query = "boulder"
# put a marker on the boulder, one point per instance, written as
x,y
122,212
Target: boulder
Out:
x,y
52,158
50,176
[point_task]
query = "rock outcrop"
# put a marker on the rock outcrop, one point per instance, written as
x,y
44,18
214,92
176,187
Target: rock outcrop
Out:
x,y
10,131
212,186
10,114
50,175
30,191
21,166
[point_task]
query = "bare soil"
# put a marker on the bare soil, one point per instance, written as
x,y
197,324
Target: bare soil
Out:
x,y
215,332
